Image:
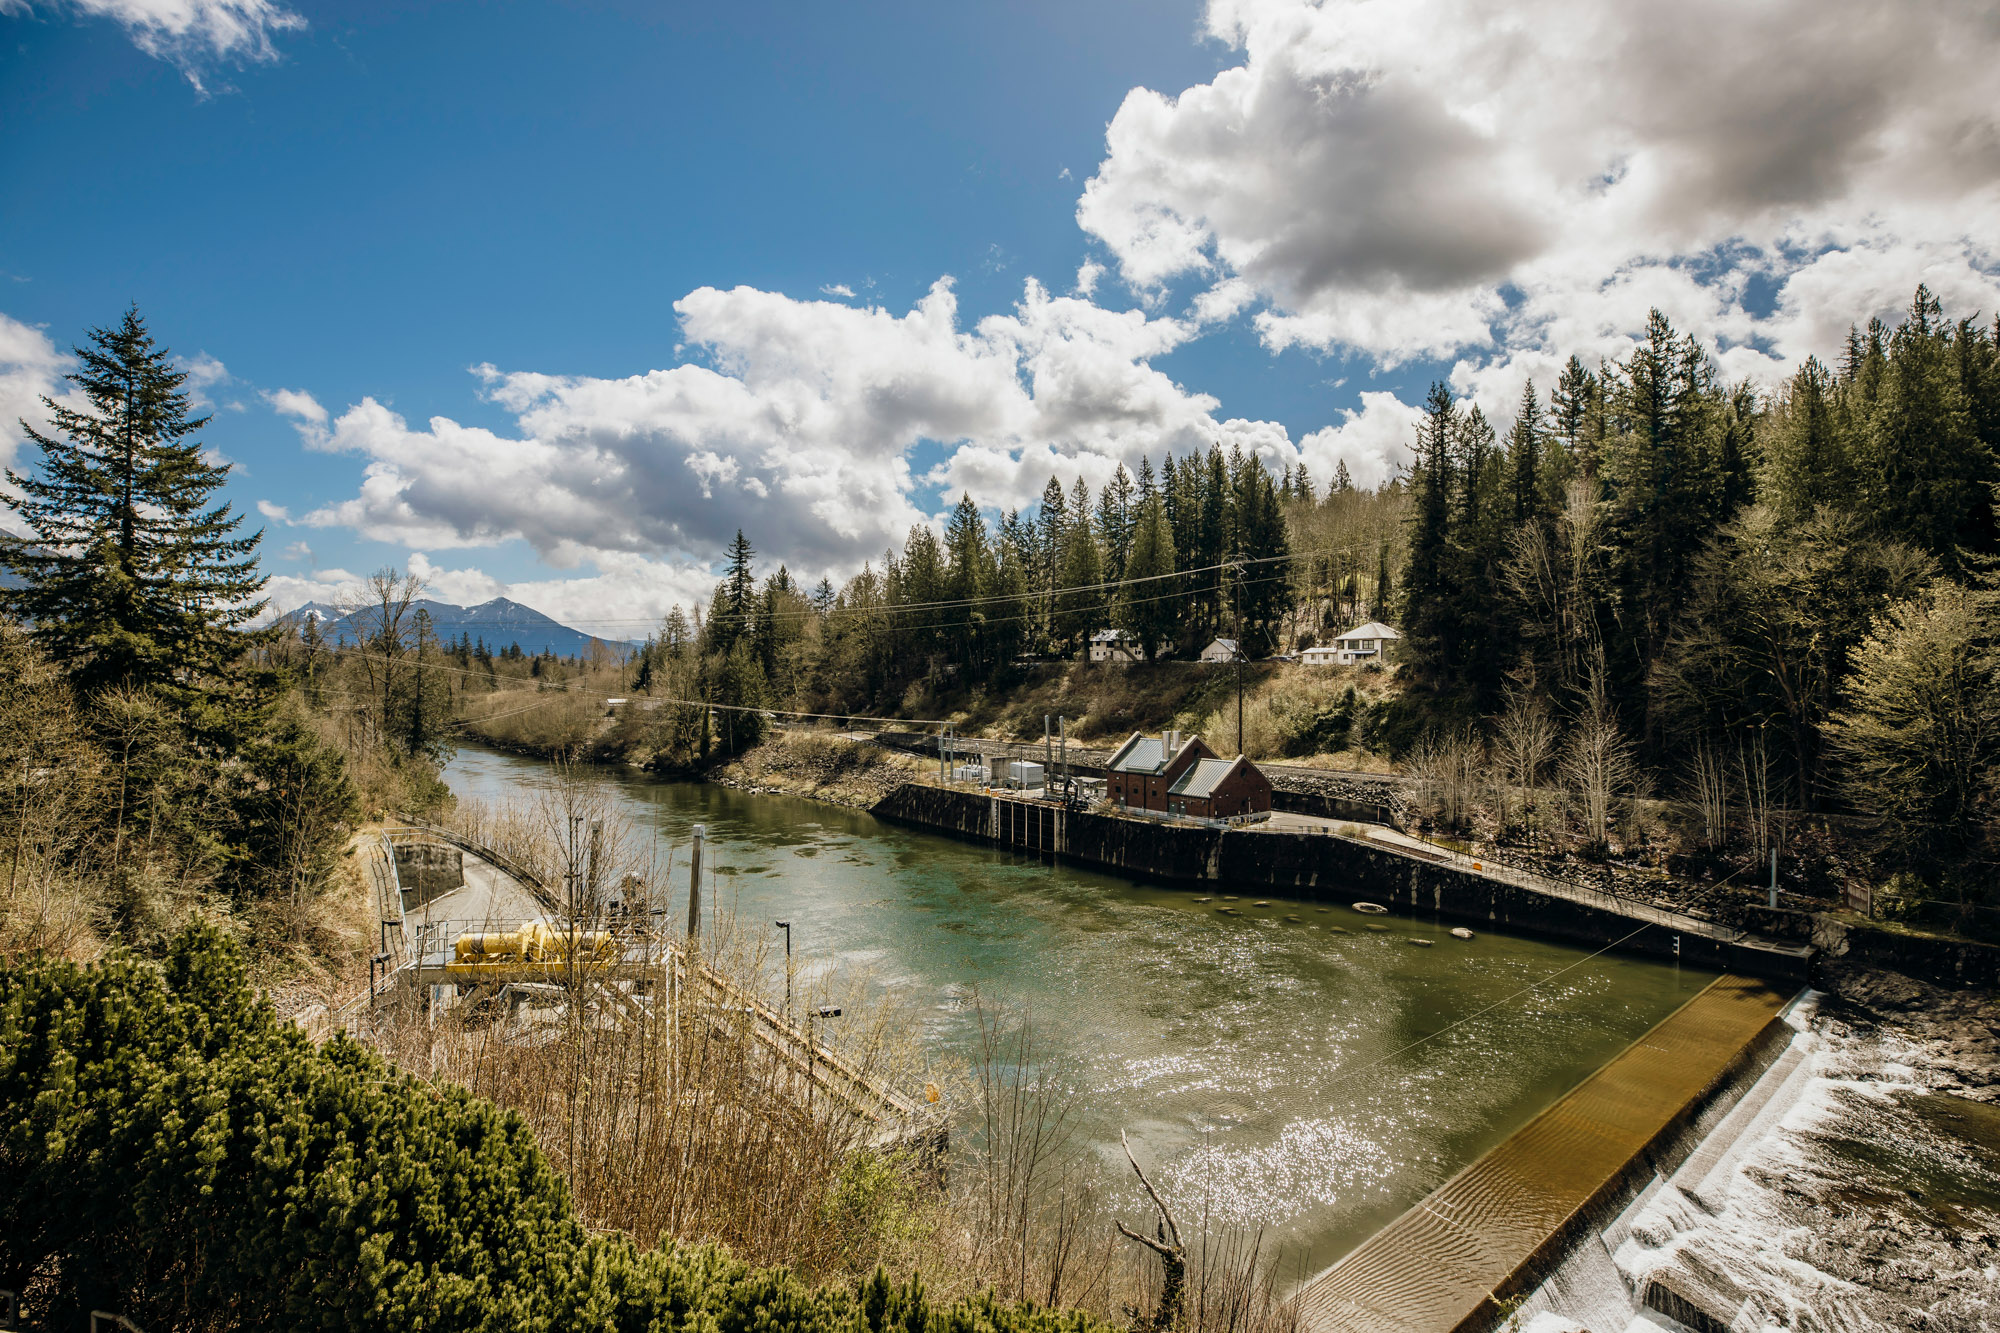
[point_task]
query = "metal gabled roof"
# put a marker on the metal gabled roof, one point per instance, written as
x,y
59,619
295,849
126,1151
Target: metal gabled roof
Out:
x,y
1139,754
1202,777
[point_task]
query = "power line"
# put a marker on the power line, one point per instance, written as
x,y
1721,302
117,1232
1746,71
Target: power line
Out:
x,y
1036,594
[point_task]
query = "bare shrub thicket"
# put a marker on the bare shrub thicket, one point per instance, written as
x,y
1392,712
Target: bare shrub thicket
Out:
x,y
1524,745
1758,779
1447,772
1709,782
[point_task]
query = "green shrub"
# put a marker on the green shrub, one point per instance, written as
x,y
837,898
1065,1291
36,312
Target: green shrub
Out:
x,y
173,1152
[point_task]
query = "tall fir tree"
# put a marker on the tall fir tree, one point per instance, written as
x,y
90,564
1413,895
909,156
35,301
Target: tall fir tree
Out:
x,y
1426,590
1117,508
1524,457
132,572
1149,605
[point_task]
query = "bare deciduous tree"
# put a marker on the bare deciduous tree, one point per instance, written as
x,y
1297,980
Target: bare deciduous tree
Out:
x,y
1597,763
1524,744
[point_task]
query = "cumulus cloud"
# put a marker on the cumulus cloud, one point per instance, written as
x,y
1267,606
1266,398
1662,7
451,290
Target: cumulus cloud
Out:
x,y
297,403
1373,440
31,369
1436,177
188,33
798,430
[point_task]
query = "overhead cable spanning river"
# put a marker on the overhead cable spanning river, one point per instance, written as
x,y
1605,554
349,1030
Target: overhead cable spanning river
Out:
x,y
1273,1059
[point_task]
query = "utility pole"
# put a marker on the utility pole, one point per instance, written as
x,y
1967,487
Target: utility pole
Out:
x,y
694,888
1069,788
1236,587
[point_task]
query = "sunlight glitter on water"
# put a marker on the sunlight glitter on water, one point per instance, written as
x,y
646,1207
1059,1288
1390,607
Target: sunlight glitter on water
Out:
x,y
1254,1058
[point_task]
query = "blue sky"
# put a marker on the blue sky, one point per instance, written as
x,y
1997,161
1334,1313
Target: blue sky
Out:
x,y
768,264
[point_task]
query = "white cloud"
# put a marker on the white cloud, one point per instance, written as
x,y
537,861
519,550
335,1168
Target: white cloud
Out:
x,y
297,403
188,33
839,289
275,512
799,431
1435,177
1373,440
30,369
299,551
203,373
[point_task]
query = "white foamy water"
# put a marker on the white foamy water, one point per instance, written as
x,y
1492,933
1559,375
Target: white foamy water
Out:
x,y
1846,1204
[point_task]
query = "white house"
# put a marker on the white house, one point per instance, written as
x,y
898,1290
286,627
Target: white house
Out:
x,y
1364,643
1222,650
1115,645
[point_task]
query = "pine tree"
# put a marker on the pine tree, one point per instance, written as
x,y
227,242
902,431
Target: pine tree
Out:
x,y
1426,588
1928,476
1116,512
736,598
1148,606
1051,535
1080,606
132,574
970,576
427,697
1574,405
1524,457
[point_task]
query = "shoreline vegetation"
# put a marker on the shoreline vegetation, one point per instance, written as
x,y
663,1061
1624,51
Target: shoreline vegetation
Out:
x,y
1664,629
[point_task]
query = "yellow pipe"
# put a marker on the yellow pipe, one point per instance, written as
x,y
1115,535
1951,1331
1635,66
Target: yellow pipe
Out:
x,y
534,942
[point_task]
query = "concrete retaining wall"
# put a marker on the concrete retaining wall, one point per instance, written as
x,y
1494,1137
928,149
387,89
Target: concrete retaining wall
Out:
x,y
1312,867
426,869
1932,958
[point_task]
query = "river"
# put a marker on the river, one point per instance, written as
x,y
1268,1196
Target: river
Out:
x,y
1276,1068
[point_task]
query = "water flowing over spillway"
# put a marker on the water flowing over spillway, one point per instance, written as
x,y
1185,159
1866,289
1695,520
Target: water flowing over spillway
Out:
x,y
1852,1198
1271,1058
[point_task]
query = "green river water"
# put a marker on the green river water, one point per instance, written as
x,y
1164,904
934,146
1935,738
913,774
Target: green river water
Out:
x,y
1268,1065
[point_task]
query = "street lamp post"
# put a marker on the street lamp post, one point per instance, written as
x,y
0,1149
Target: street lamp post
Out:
x,y
786,926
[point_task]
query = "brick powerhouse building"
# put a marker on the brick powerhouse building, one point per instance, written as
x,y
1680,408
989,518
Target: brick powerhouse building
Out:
x,y
1183,776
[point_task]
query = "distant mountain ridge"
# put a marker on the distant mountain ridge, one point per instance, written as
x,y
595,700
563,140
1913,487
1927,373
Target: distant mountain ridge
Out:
x,y
499,623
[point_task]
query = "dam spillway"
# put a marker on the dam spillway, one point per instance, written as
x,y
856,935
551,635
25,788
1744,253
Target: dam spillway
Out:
x,y
1497,1227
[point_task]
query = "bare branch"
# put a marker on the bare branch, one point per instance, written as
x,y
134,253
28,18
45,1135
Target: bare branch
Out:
x,y
1173,1229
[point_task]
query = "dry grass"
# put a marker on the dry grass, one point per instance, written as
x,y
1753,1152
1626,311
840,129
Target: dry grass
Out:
x,y
824,766
541,721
